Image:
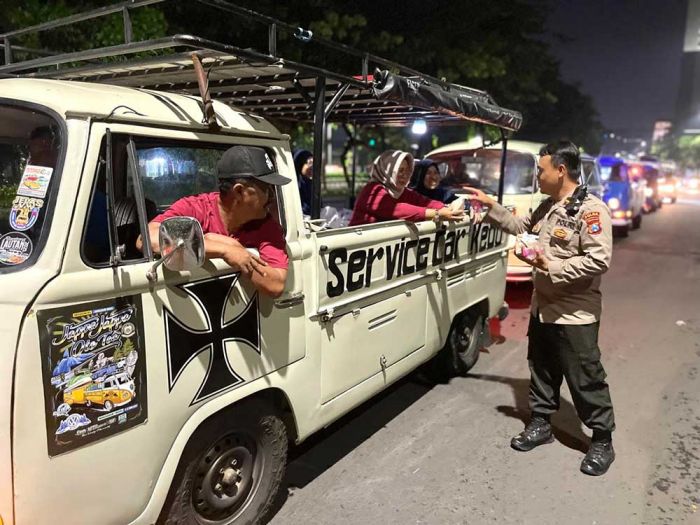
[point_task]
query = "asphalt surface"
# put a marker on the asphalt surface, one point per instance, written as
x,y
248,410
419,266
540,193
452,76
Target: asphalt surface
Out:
x,y
426,453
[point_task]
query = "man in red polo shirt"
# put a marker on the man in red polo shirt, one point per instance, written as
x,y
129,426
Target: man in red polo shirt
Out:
x,y
236,217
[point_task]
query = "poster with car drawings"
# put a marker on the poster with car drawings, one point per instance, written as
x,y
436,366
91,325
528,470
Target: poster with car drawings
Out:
x,y
94,371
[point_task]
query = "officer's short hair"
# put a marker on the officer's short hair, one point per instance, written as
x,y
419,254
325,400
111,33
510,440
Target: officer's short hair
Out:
x,y
564,152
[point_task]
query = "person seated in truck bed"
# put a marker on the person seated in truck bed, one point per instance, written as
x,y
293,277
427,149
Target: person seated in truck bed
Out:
x,y
304,164
426,180
237,217
386,197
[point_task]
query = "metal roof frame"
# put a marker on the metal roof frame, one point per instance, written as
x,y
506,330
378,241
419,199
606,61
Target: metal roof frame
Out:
x,y
261,83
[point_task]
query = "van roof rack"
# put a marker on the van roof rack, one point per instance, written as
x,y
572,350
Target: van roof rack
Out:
x,y
262,83
379,92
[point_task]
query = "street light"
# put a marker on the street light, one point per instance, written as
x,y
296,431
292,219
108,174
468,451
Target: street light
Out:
x,y
419,127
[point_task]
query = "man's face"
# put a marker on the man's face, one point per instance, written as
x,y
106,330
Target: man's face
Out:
x,y
254,199
548,175
404,174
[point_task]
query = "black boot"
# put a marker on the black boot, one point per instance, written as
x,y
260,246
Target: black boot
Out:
x,y
599,457
537,432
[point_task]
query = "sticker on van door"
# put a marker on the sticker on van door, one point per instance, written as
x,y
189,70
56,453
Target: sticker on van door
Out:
x,y
184,343
94,371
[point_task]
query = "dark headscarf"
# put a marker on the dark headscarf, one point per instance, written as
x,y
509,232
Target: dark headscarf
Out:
x,y
305,184
440,193
300,158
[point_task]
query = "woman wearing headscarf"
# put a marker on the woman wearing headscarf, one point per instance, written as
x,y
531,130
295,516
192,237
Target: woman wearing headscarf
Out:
x,y
303,164
426,181
386,197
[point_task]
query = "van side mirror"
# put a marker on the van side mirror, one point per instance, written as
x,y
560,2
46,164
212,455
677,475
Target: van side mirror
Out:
x,y
181,245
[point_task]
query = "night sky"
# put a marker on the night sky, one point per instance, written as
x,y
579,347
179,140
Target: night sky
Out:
x,y
626,54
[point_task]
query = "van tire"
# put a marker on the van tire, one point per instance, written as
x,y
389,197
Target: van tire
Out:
x,y
463,343
621,231
637,221
251,433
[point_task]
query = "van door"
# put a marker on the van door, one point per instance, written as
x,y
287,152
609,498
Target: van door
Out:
x,y
372,299
184,340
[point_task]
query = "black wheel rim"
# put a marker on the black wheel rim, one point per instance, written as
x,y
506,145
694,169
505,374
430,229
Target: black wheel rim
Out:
x,y
226,477
463,338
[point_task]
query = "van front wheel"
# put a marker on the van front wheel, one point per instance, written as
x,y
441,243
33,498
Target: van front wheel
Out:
x,y
463,343
231,471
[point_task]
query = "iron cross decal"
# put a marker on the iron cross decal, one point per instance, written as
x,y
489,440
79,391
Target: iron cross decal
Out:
x,y
185,343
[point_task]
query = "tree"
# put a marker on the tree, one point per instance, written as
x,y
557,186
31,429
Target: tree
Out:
x,y
147,22
684,149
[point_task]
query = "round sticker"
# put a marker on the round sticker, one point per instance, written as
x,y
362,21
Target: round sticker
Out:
x,y
15,248
128,329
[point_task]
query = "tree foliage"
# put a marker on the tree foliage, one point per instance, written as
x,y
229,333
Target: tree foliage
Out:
x,y
147,22
684,149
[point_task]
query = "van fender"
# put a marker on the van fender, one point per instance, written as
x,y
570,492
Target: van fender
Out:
x,y
260,388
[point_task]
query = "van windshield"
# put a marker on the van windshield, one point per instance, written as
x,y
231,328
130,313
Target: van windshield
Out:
x,y
30,145
615,173
481,169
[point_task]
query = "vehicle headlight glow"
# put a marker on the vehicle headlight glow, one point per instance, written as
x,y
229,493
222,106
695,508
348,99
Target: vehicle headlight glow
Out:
x,y
648,192
667,187
613,203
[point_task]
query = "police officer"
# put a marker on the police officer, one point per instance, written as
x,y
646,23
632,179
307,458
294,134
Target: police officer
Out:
x,y
575,234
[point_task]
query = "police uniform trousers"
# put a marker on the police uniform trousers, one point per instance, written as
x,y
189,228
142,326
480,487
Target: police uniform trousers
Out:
x,y
565,351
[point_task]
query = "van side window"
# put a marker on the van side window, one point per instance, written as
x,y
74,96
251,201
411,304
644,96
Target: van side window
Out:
x,y
590,173
95,246
172,170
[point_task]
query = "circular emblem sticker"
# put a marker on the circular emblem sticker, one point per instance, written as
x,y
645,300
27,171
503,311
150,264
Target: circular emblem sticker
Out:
x,y
15,248
128,330
24,213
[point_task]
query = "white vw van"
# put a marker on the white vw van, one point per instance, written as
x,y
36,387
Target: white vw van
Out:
x,y
472,164
202,383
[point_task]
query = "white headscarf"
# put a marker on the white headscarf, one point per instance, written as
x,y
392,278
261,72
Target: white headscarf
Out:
x,y
385,170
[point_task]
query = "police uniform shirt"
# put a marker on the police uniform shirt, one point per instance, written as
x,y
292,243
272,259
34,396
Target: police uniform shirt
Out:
x,y
578,250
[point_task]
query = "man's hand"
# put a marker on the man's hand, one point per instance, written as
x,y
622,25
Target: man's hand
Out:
x,y
479,196
241,259
266,279
539,261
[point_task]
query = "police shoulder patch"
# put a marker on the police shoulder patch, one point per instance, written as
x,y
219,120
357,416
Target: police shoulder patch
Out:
x,y
591,217
594,228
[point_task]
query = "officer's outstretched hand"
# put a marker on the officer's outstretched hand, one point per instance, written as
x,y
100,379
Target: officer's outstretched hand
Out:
x,y
479,196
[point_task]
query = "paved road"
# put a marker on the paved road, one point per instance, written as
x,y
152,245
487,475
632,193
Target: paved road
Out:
x,y
439,454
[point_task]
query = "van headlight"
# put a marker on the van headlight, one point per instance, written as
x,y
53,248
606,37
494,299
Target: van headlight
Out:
x,y
613,203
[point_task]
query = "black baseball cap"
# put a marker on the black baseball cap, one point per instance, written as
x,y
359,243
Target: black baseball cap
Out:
x,y
249,162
